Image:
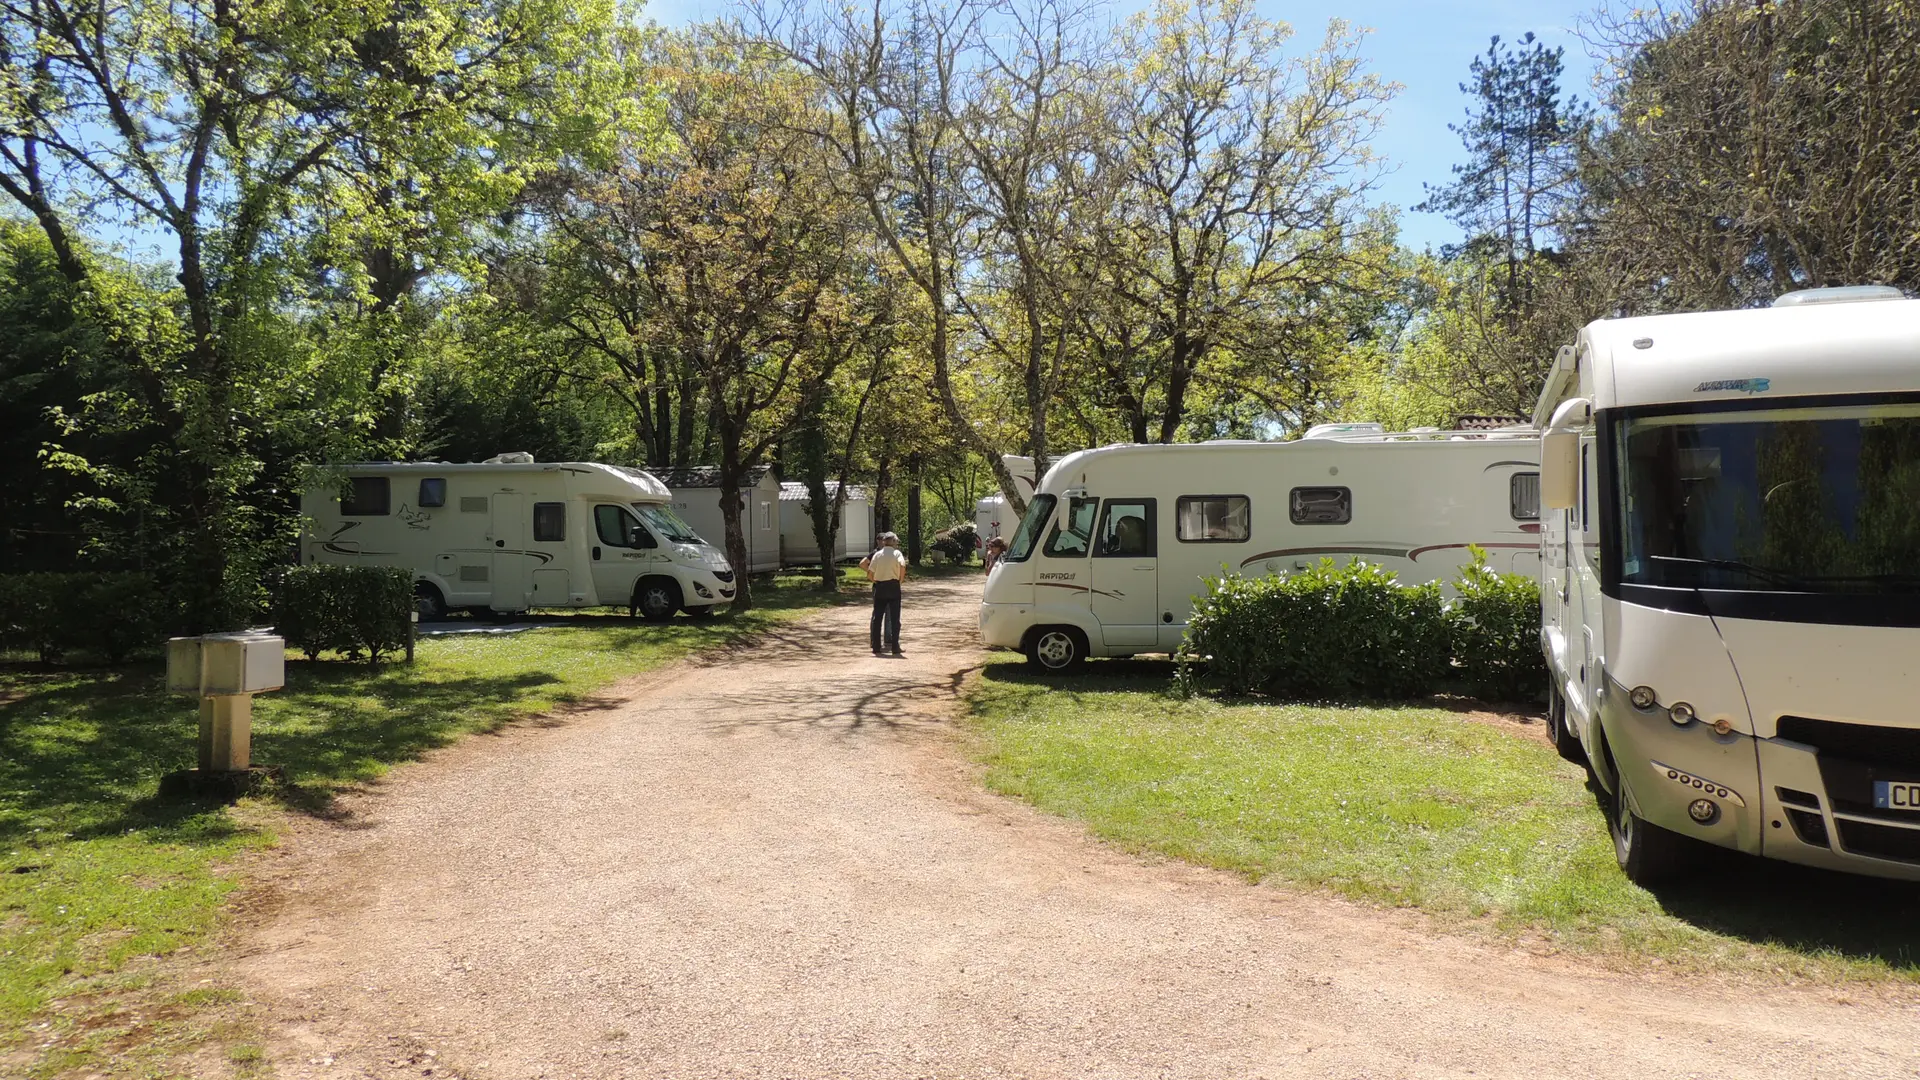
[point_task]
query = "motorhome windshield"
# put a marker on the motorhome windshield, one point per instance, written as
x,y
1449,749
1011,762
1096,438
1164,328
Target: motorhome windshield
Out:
x,y
1038,511
1813,500
667,523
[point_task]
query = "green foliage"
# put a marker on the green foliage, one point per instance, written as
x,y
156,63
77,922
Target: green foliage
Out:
x,y
110,615
1326,632
1495,624
1356,632
347,609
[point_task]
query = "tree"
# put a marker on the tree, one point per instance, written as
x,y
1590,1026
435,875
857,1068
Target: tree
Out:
x,y
1522,138
227,128
1245,170
1755,149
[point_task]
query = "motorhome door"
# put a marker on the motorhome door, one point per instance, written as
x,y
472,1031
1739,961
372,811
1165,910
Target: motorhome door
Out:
x,y
1125,573
512,569
621,547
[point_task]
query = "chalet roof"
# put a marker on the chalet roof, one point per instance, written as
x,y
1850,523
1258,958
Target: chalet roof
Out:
x,y
795,491
707,476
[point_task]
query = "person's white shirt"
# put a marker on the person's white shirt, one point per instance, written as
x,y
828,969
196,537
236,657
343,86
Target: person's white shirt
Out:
x,y
887,564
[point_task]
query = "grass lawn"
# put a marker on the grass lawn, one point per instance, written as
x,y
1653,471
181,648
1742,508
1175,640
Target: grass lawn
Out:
x,y
1410,806
98,877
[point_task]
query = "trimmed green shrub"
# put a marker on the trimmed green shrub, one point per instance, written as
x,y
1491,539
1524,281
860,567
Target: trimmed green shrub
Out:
x,y
1326,632
1495,626
109,615
353,610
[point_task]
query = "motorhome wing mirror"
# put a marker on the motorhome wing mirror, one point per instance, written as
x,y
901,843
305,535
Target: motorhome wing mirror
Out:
x,y
638,537
1559,469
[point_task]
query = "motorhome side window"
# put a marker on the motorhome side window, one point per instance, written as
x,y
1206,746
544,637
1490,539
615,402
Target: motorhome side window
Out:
x,y
1126,530
1074,530
1523,496
366,496
433,492
1220,519
549,522
617,528
1321,505
1031,525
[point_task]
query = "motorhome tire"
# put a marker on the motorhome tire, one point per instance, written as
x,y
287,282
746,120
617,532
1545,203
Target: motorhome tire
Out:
x,y
1562,738
657,598
1056,649
1647,853
704,611
428,601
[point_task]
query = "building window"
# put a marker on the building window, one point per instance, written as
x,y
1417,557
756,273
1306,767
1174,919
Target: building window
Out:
x,y
549,522
1321,505
1220,519
1523,496
433,492
1126,531
366,496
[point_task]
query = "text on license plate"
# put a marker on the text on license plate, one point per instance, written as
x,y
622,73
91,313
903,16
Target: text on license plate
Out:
x,y
1896,794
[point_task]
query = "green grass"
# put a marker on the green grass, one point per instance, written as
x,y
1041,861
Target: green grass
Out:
x,y
99,878
1415,807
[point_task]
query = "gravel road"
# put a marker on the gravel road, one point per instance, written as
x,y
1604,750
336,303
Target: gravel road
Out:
x,y
775,863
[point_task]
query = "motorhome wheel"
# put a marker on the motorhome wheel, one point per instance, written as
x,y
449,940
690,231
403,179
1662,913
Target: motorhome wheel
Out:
x,y
1056,648
657,598
428,602
1647,854
1563,739
704,611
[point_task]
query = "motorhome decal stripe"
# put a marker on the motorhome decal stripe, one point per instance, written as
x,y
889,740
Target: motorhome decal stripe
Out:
x,y
336,549
1521,464
1392,553
540,555
1417,552
1063,585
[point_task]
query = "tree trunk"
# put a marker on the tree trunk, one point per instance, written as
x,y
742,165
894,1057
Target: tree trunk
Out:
x,y
913,510
731,471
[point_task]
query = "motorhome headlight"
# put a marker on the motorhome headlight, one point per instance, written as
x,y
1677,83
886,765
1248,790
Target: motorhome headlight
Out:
x,y
1681,714
1643,697
1704,811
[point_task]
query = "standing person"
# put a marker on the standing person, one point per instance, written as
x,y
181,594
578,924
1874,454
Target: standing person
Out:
x,y
886,568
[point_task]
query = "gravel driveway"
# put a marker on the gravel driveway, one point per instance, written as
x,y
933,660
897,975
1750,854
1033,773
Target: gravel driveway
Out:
x,y
774,863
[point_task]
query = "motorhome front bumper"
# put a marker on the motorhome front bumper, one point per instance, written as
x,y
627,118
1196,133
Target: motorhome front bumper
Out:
x,y
1669,768
1820,811
1003,625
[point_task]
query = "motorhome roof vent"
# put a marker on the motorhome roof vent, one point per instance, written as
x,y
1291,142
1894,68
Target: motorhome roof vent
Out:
x,y
1335,431
1840,295
511,457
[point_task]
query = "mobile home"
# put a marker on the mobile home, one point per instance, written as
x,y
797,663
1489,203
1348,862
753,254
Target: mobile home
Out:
x,y
993,516
1731,609
510,534
696,498
1115,543
797,544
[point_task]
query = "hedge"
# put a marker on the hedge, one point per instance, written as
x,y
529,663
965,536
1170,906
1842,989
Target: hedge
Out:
x,y
111,615
353,610
1356,632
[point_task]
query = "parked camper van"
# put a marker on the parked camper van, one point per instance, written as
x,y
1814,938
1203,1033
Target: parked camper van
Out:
x,y
1115,544
1731,605
510,534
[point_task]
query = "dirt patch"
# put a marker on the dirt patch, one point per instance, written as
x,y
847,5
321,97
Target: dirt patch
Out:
x,y
775,862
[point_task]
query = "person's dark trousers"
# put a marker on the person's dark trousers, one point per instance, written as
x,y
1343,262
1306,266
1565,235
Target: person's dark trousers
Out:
x,y
886,615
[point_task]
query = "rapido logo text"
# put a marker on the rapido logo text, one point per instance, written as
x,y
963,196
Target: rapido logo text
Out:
x,y
1745,386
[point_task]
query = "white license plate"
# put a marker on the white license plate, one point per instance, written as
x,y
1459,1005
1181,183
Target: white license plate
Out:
x,y
1896,794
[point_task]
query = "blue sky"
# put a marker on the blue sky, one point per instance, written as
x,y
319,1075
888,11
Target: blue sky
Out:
x,y
1423,46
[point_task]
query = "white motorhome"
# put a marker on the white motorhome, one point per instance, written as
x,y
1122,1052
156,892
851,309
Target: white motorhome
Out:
x,y
1730,593
510,534
1115,544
